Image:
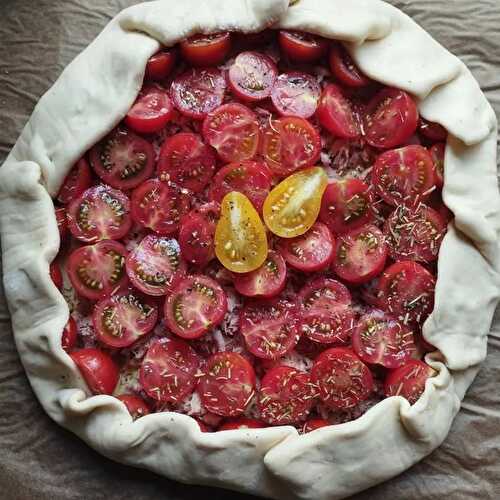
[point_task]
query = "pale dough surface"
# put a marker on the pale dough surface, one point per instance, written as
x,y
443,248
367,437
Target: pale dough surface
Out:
x,y
330,463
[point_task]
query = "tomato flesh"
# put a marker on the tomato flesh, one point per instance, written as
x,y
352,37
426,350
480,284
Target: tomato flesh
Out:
x,y
242,423
160,65
69,335
98,369
314,424
302,47
136,406
76,182
432,131
56,275
324,293
344,69
206,50
438,152
62,222
328,326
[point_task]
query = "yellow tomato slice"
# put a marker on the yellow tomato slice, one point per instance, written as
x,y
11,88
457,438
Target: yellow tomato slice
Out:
x,y
292,207
240,237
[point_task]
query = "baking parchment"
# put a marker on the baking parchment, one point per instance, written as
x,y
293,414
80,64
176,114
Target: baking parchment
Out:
x,y
38,459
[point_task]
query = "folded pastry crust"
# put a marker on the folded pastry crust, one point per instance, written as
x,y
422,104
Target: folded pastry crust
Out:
x,y
92,96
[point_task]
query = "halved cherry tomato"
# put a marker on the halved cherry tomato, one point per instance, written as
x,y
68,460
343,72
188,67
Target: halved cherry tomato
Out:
x,y
196,305
289,144
97,270
123,159
380,339
240,237
69,335
197,234
437,203
324,293
155,265
285,396
409,380
432,131
414,233
197,92
302,47
350,158
391,119
228,385
77,181
168,371
56,275
100,213
336,113
206,50
251,178
123,318
159,206
328,326
242,423
292,207
313,251
252,76
267,281
62,222
152,110
269,327
160,65
344,69
404,176
296,94
343,380
407,292
255,39
346,205
360,254
185,160
98,369
438,152
136,406
233,131
313,424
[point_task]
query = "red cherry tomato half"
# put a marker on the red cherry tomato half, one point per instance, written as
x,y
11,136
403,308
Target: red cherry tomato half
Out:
x,y
437,203
97,270
380,339
197,92
408,381
155,266
168,371
344,69
206,50
310,252
251,178
98,369
336,113
269,327
77,181
360,255
152,110
346,205
160,65
62,222
285,396
432,131
69,335
233,131
228,385
296,94
123,159
324,326
56,275
289,144
343,380
404,176
252,76
391,119
255,39
414,234
265,282
324,293
100,213
195,306
136,406
302,47
159,206
197,234
314,424
438,152
242,423
123,318
185,160
407,292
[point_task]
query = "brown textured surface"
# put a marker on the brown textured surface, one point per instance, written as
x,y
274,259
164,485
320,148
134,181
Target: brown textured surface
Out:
x,y
39,460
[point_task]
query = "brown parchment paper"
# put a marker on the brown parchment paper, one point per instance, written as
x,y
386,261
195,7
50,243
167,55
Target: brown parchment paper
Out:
x,y
38,459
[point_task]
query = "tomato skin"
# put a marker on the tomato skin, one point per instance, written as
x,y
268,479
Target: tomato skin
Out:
x,y
438,152
98,369
62,222
136,406
160,65
242,423
432,131
408,381
314,424
56,275
77,181
324,293
201,425
344,69
302,47
206,50
69,335
391,119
